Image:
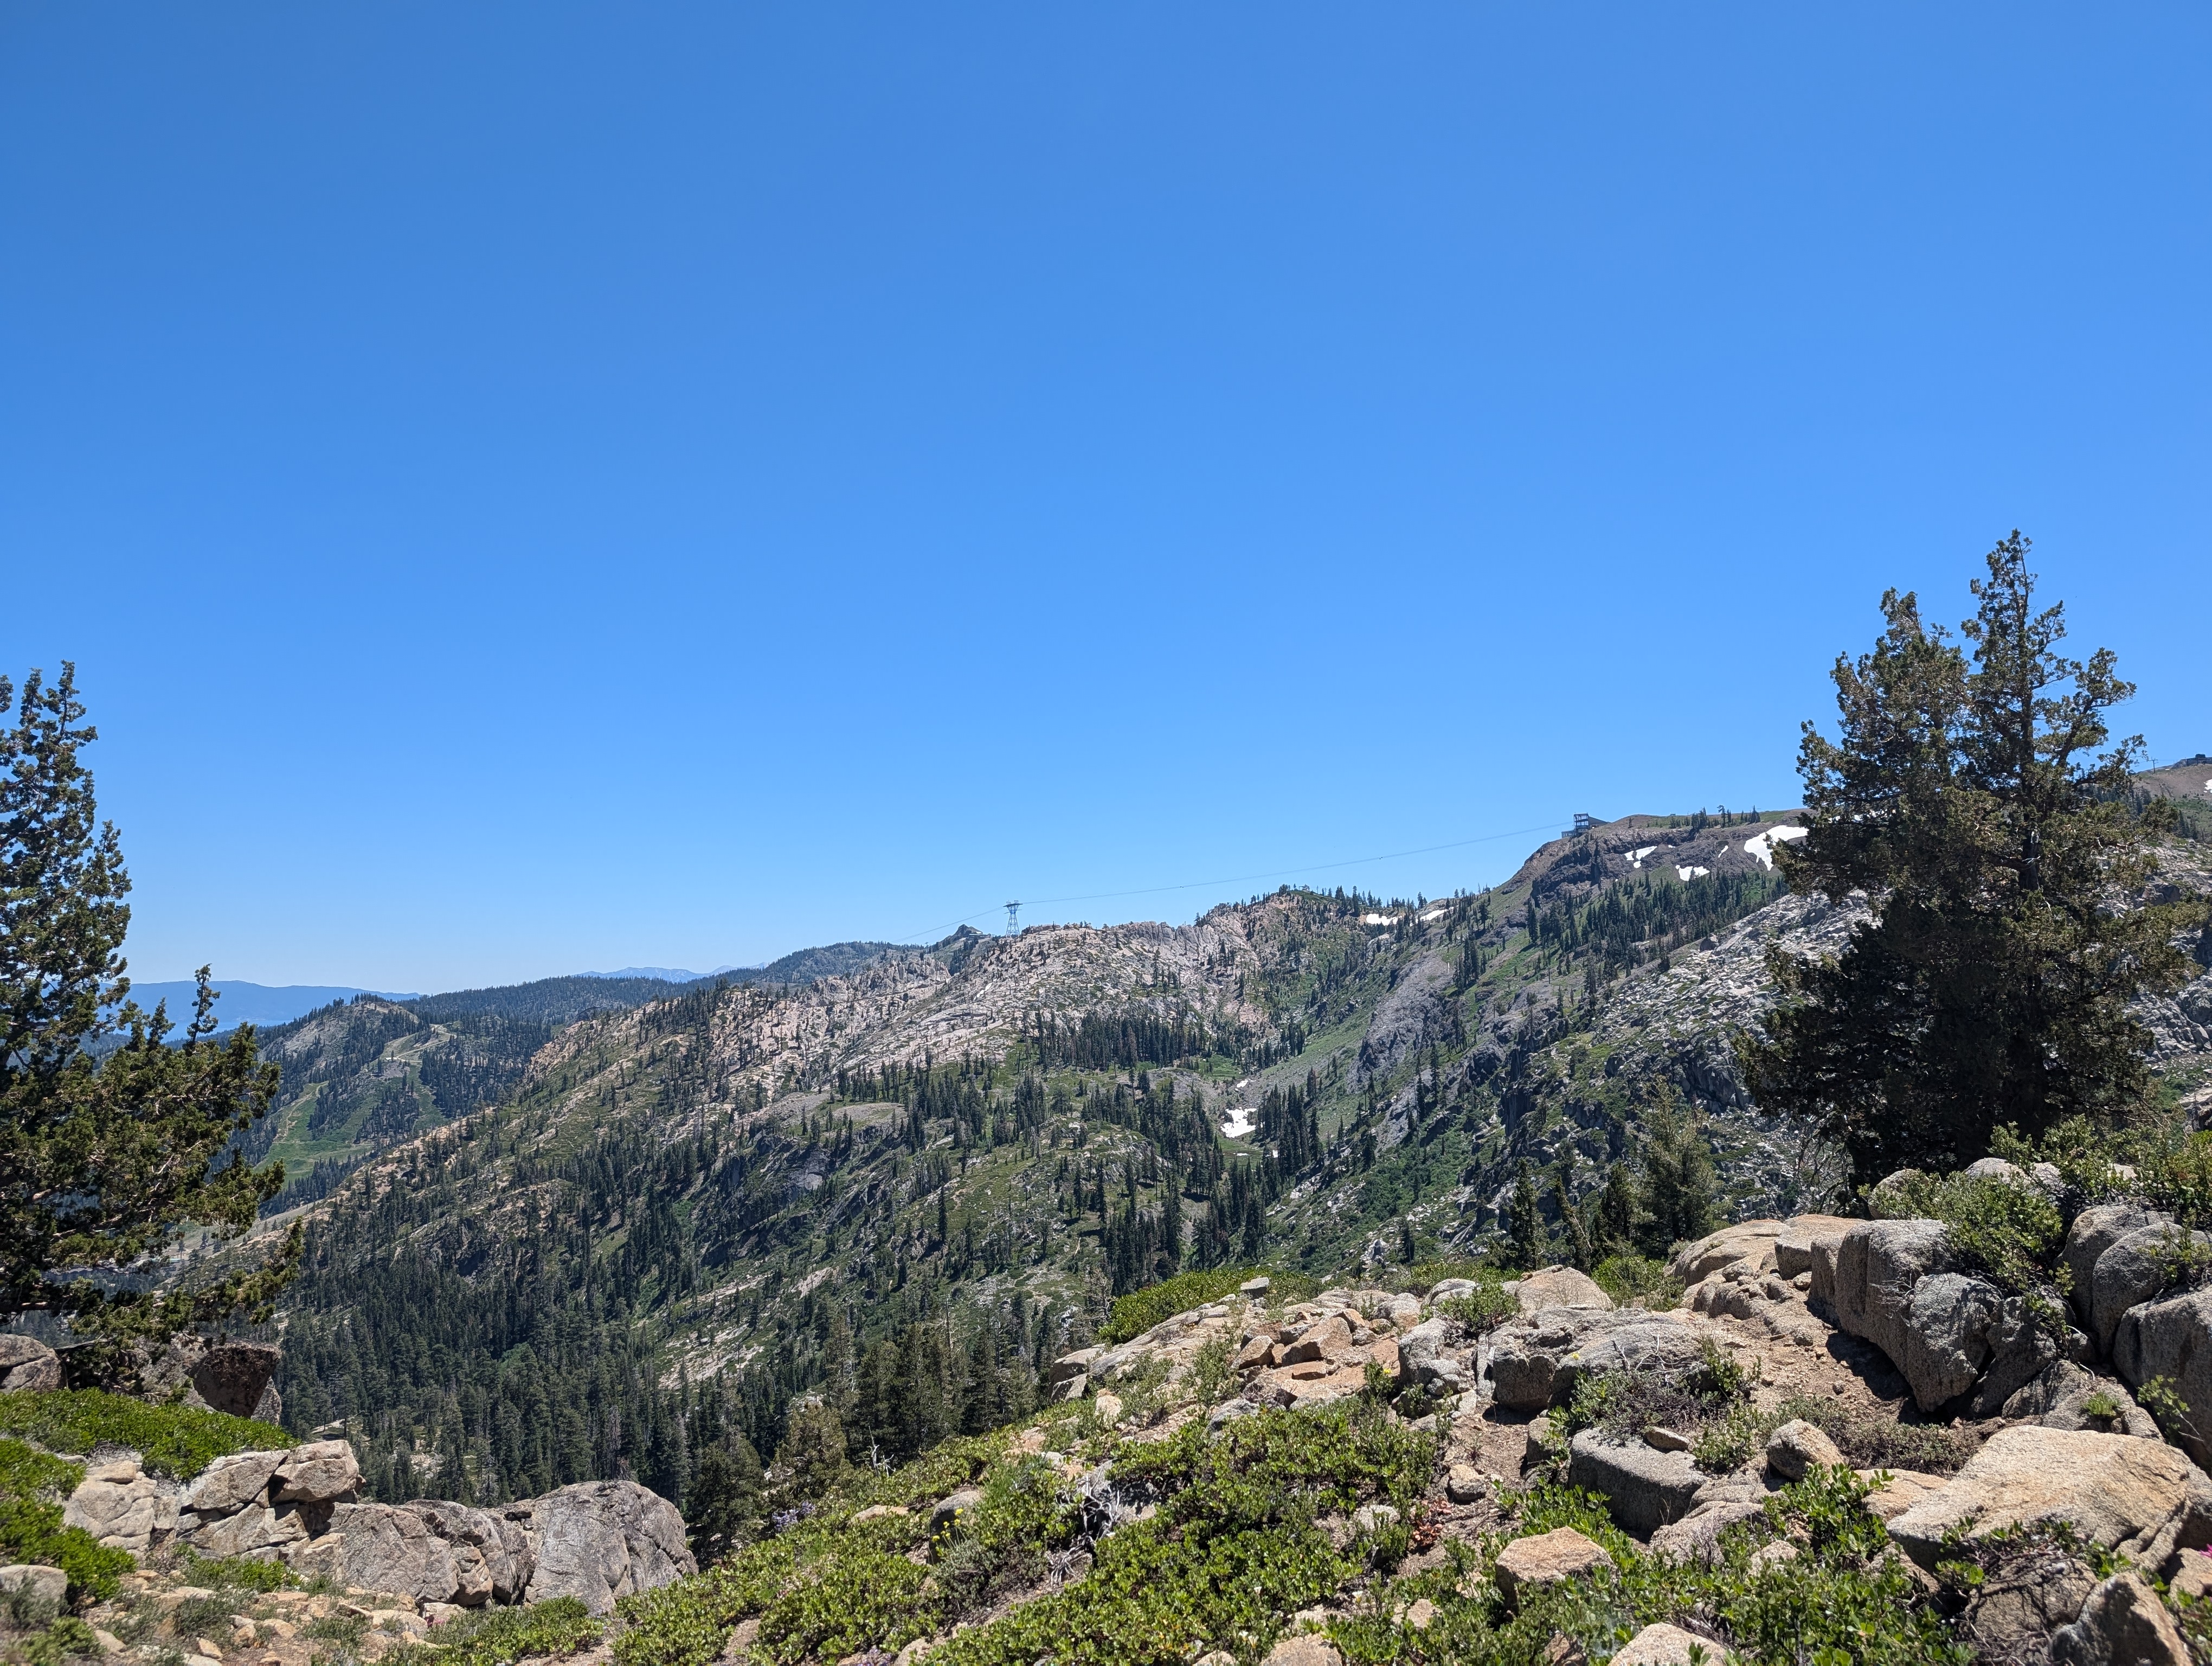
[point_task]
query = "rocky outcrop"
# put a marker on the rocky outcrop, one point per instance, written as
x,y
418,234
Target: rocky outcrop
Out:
x,y
26,1365
1751,1241
2123,1623
2172,1339
1956,1338
1644,1489
599,1541
123,1507
2140,1499
1557,1287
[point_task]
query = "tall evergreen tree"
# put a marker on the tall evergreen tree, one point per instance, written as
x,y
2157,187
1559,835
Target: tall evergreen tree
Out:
x,y
1678,1176
1967,798
103,1164
1525,1221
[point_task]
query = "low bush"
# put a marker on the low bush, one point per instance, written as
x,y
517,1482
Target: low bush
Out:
x,y
2012,1234
31,1530
1139,1311
236,1572
1628,1278
1711,1398
1843,1600
67,1637
1874,1442
177,1441
26,1472
1482,1309
497,1637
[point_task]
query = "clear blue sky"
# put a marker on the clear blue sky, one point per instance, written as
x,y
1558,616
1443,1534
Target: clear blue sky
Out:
x,y
533,487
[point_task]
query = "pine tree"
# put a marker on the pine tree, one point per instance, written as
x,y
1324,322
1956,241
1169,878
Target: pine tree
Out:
x,y
1525,1222
1678,1176
1970,803
104,1163
724,1498
1615,1229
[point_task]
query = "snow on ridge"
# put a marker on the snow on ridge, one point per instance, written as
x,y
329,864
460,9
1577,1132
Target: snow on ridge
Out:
x,y
1761,850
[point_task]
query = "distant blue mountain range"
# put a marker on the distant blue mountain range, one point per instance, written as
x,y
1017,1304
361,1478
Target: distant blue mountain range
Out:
x,y
252,1003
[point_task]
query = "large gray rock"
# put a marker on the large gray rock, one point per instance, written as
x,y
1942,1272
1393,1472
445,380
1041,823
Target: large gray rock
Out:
x,y
2095,1231
228,1484
255,1530
1642,1488
1556,1287
35,1580
122,1508
492,1558
28,1365
2021,1351
1878,1265
2172,1339
2134,1269
1946,1336
1653,1343
382,1548
1802,1236
1522,1359
1747,1240
317,1472
233,1376
2123,1623
1433,1353
2141,1499
1527,1360
598,1541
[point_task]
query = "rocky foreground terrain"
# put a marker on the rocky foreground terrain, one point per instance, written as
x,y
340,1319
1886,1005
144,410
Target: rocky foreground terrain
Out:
x,y
1884,1439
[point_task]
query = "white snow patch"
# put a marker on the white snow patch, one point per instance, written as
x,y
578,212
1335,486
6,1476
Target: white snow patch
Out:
x,y
1635,857
1690,873
1761,850
1238,1122
1378,919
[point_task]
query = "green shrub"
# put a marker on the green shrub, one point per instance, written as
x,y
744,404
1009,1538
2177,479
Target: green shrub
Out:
x,y
1139,1311
1625,1278
67,1638
26,1472
1876,1442
1212,1373
685,1624
1732,1440
2011,1233
863,1599
1483,1308
31,1530
1842,1602
1026,1513
496,1637
236,1572
210,1615
173,1440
